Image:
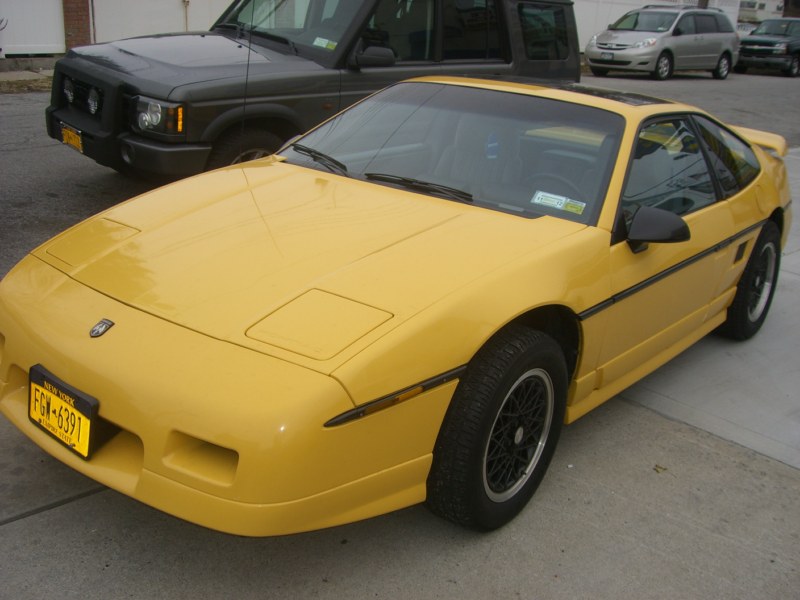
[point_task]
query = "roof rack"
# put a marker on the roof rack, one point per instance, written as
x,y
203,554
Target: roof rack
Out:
x,y
682,7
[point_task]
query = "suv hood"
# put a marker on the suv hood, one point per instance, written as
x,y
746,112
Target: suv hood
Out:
x,y
185,58
251,255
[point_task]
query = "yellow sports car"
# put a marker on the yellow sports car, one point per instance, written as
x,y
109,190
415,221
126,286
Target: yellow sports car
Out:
x,y
403,305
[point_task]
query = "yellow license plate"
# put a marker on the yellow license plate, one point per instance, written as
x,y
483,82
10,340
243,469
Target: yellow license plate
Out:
x,y
72,137
62,411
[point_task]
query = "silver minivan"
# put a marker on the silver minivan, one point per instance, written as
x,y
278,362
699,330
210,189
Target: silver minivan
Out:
x,y
662,39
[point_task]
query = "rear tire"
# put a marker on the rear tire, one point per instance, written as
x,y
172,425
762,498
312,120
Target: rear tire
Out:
x,y
241,145
500,430
723,67
756,287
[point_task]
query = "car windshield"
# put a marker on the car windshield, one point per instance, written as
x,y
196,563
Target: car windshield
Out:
x,y
645,21
510,152
772,28
318,24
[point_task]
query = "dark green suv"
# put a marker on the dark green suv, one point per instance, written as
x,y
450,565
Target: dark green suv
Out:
x,y
774,44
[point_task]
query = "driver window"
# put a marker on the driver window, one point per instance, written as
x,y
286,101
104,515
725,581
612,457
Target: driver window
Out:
x,y
686,25
405,26
668,171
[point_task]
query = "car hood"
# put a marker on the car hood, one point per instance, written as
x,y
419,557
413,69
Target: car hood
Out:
x,y
291,261
186,58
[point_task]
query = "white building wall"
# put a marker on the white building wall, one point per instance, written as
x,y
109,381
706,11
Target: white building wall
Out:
x,y
117,19
31,27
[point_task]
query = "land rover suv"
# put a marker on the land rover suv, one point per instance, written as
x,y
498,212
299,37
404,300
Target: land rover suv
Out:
x,y
663,39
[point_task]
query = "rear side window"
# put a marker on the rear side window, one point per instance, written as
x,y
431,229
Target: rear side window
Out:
x,y
724,24
544,31
705,23
732,160
470,30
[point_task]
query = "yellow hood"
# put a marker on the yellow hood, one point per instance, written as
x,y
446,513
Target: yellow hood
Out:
x,y
290,261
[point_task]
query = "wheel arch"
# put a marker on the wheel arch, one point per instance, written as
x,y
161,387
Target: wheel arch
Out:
x,y
560,323
279,120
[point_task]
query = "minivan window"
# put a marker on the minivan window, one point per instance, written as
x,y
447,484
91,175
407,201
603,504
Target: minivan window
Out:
x,y
705,23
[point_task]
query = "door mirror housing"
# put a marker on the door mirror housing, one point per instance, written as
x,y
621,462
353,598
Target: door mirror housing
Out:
x,y
652,225
372,56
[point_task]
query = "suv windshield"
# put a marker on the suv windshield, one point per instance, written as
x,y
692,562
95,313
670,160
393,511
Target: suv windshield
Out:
x,y
645,21
772,28
312,23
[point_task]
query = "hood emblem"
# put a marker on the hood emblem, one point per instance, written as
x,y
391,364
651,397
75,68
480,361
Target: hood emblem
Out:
x,y
99,329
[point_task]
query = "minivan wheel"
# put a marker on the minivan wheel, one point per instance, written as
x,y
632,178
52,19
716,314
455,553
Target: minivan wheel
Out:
x,y
663,67
723,67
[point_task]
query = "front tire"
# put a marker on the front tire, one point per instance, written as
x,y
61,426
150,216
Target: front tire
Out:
x,y
501,430
241,145
756,287
794,67
663,68
723,67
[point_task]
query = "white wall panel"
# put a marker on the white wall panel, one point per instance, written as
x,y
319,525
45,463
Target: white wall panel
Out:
x,y
31,27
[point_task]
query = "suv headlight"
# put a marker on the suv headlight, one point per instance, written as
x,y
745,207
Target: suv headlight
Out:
x,y
646,43
781,48
158,116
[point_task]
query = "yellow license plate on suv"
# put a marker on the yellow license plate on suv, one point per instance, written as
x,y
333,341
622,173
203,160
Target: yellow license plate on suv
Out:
x,y
62,411
72,137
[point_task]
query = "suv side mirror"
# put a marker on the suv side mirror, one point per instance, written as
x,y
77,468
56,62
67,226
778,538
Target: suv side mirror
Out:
x,y
657,226
372,56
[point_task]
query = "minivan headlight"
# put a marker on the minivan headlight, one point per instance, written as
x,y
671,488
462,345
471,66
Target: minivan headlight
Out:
x,y
646,43
158,116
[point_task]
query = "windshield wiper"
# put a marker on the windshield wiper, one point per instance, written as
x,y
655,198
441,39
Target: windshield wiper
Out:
x,y
333,165
422,186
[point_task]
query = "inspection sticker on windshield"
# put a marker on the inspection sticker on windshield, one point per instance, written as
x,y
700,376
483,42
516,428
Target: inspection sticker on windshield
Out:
x,y
323,43
559,202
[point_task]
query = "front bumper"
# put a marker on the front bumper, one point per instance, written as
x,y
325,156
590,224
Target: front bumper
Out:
x,y
206,430
643,59
781,61
128,151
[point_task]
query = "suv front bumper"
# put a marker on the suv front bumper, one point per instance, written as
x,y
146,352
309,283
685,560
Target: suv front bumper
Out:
x,y
125,150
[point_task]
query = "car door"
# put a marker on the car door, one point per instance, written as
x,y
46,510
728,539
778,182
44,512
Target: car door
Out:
x,y
665,294
710,41
684,44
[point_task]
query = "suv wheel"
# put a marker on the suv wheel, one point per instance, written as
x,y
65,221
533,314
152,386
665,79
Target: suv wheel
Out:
x,y
241,145
723,67
663,67
794,67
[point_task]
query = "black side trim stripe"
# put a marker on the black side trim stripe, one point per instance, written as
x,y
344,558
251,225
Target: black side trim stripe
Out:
x,y
396,397
589,312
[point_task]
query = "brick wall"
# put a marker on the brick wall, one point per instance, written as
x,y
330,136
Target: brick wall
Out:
x,y
77,23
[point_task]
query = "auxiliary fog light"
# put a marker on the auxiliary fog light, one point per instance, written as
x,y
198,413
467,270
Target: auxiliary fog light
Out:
x,y
69,90
94,101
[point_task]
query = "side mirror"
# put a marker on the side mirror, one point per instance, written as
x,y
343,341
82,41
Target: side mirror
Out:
x,y
652,225
373,56
677,31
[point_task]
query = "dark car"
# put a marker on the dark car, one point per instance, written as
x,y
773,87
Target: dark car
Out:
x,y
268,70
774,44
